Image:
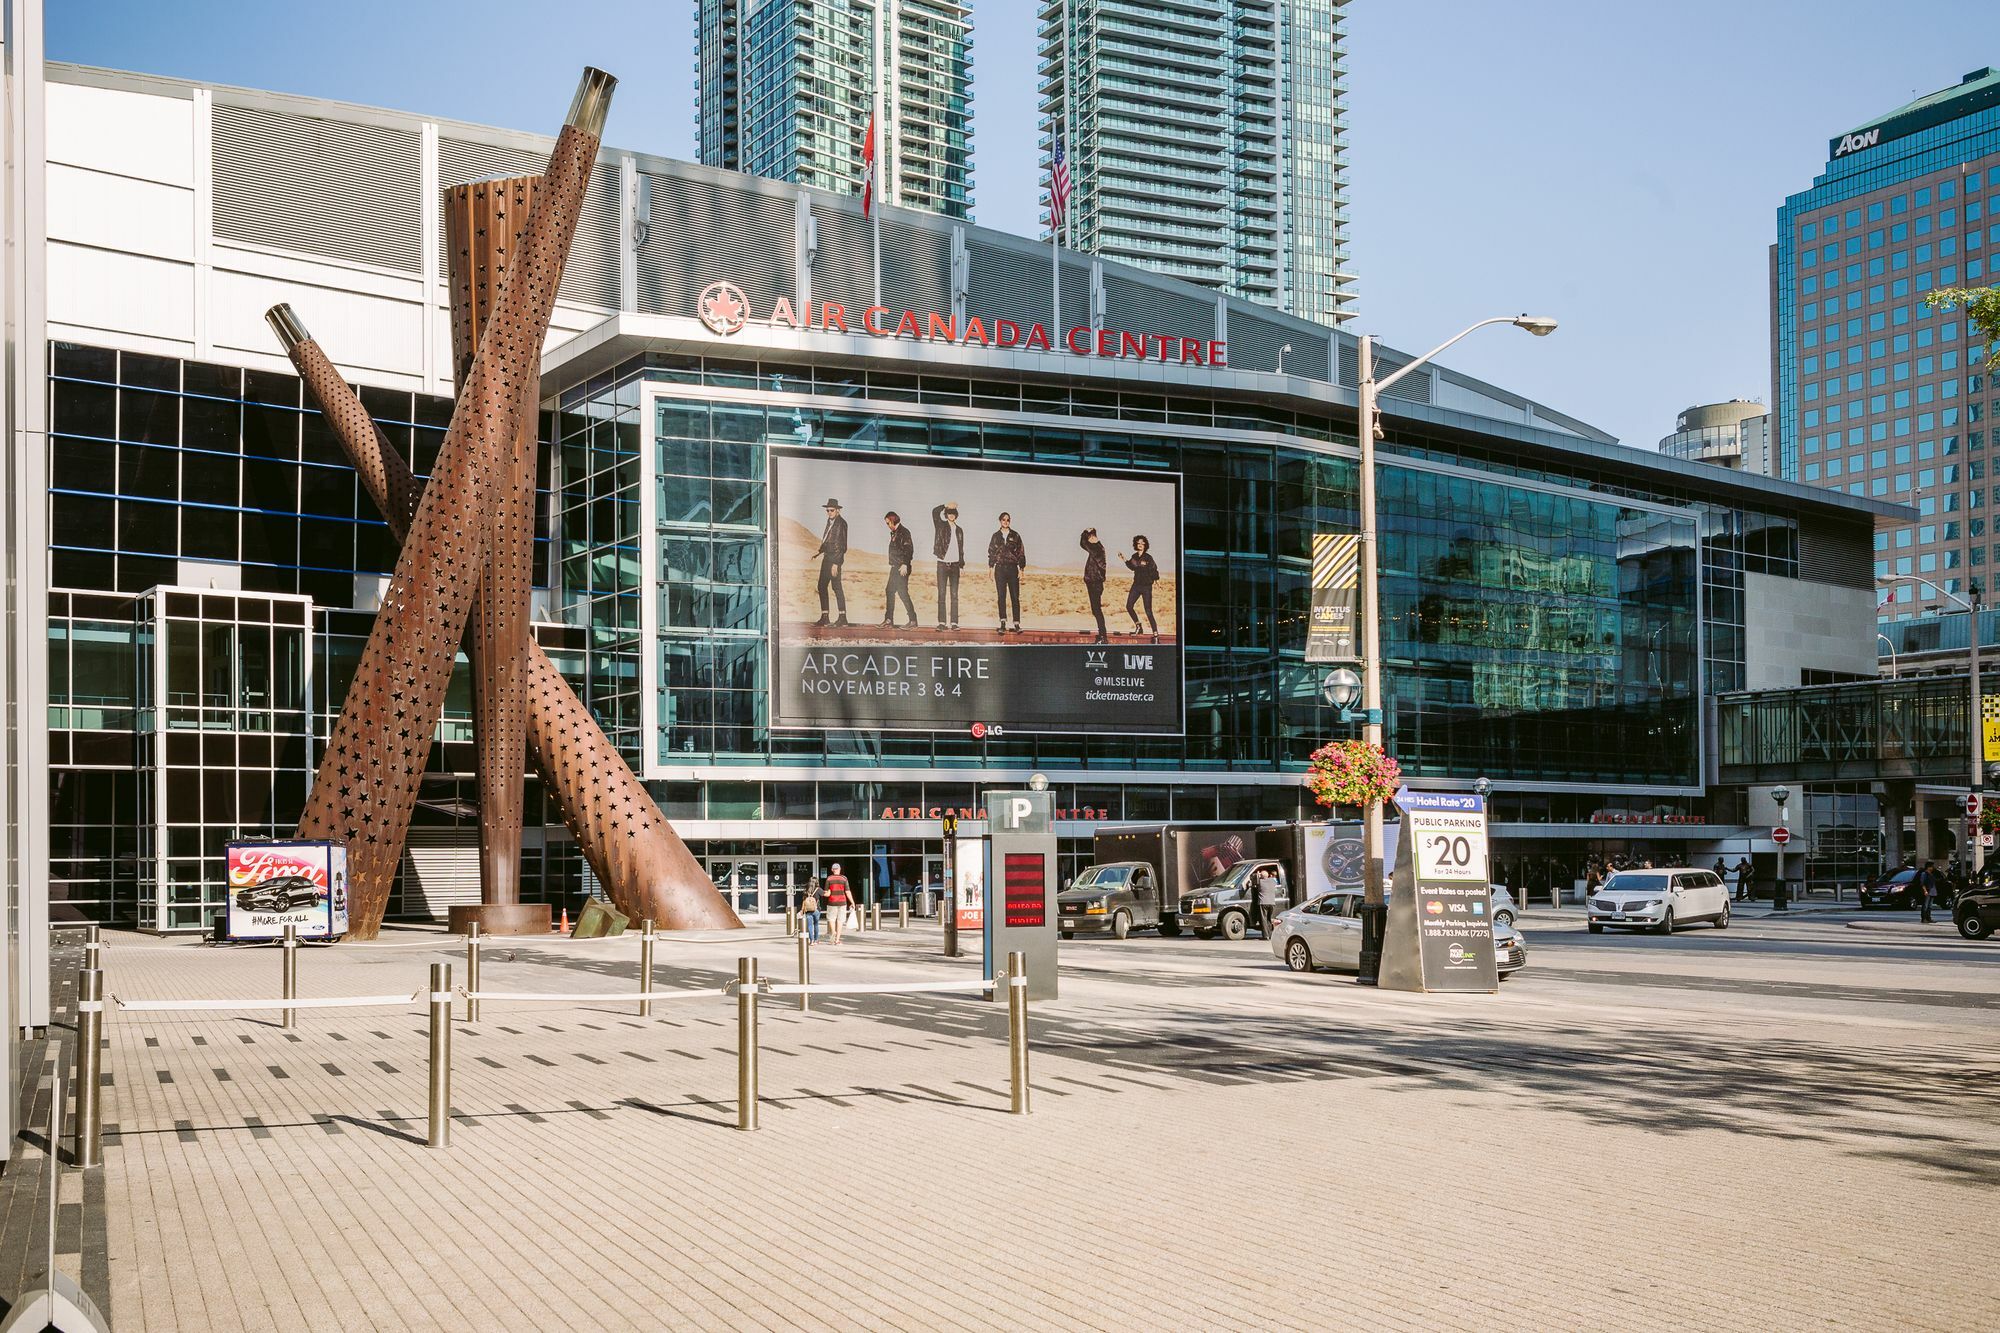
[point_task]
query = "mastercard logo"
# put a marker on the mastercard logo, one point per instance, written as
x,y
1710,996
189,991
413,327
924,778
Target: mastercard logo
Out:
x,y
1434,907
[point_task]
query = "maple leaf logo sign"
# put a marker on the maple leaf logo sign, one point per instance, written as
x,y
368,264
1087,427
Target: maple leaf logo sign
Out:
x,y
723,308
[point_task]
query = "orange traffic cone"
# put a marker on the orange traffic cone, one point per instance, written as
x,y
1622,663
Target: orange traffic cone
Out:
x,y
564,928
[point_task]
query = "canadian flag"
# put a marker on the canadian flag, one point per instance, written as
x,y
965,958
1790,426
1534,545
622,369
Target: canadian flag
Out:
x,y
868,169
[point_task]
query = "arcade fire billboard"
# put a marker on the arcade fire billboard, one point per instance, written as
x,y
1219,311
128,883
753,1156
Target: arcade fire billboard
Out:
x,y
999,597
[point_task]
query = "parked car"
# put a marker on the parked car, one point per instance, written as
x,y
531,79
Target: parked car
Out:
x,y
1326,932
281,894
1977,912
1504,910
1110,899
1896,889
1659,900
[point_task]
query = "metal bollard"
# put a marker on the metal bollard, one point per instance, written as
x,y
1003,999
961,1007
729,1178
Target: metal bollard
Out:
x,y
472,972
87,1144
646,967
1017,1030
746,1042
805,972
440,1055
791,919
291,947
902,914
92,957
874,916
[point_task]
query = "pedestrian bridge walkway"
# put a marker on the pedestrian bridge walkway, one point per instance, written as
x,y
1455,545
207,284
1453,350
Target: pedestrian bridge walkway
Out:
x,y
1862,731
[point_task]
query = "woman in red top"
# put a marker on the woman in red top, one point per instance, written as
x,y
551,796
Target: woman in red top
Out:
x,y
836,900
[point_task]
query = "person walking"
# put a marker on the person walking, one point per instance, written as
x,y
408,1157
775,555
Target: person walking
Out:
x,y
809,910
948,545
1006,556
902,553
837,897
1268,898
1093,578
832,555
1145,573
1926,886
1743,879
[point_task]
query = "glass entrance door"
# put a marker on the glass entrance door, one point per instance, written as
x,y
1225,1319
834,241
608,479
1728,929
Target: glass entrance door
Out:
x,y
785,881
737,881
933,879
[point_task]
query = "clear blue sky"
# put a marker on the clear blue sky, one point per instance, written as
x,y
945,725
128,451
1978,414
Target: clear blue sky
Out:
x,y
1616,165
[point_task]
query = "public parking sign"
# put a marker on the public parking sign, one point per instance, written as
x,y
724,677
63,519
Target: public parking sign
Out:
x,y
1781,835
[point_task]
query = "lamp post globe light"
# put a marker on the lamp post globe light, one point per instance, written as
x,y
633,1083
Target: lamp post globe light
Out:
x,y
1340,688
1374,907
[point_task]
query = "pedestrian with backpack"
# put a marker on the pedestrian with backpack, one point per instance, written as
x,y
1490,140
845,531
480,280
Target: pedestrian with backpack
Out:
x,y
809,911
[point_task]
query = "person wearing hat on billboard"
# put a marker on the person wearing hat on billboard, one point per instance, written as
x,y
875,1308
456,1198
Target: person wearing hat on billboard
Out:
x,y
1006,556
902,552
1093,577
832,555
948,545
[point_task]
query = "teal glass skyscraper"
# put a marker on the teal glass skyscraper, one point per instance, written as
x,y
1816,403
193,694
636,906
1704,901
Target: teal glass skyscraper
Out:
x,y
1207,140
786,88
1873,391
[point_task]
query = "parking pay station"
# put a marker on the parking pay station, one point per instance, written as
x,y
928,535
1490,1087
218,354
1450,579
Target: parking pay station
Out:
x,y
1021,888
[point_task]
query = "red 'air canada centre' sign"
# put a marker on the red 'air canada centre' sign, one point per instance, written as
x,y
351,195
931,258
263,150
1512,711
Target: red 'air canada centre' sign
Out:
x,y
725,310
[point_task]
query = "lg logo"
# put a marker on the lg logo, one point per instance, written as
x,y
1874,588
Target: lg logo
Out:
x,y
1854,143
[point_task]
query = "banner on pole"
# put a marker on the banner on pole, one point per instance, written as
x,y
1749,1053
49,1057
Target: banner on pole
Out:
x,y
1336,598
1989,728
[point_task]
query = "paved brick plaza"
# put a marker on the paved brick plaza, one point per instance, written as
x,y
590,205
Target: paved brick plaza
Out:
x,y
1215,1144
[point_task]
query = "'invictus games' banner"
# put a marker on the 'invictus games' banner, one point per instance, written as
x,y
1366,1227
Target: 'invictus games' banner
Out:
x,y
944,596
1336,598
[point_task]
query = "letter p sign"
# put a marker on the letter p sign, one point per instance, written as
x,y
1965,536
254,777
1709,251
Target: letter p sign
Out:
x,y
1017,810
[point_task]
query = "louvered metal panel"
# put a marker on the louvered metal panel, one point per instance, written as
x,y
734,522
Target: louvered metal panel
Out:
x,y
591,275
322,187
1130,303
1842,555
916,267
844,268
440,869
702,232
1006,284
1254,343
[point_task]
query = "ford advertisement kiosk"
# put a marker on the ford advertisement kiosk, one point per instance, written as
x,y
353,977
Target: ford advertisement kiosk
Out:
x,y
277,884
1021,889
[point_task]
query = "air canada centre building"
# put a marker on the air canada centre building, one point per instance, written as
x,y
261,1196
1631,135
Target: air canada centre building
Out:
x,y
833,543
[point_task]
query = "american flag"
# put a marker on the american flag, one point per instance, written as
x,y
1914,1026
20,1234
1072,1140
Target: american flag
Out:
x,y
1058,187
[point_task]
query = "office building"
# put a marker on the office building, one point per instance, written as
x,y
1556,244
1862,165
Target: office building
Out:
x,y
1207,140
1734,434
1874,392
785,89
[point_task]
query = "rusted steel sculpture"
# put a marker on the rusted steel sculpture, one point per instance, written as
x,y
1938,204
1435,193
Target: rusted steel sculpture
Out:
x,y
367,782
483,223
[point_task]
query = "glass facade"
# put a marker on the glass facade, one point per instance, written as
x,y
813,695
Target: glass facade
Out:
x,y
1532,632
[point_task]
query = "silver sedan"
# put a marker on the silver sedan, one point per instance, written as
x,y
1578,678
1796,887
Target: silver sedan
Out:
x,y
1326,932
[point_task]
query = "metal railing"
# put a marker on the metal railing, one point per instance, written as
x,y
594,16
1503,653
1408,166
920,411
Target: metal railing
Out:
x,y
748,988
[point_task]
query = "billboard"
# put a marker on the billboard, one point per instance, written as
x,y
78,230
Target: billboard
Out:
x,y
277,884
1048,602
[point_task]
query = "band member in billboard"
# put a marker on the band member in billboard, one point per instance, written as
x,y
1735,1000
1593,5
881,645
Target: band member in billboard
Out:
x,y
1145,573
948,545
902,550
1093,577
1006,556
832,555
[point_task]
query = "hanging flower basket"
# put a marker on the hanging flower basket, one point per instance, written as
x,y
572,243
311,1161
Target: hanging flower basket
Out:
x,y
1352,773
1989,817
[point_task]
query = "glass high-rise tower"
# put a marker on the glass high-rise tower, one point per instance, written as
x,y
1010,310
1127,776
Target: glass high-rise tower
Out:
x,y
1873,391
784,88
1207,140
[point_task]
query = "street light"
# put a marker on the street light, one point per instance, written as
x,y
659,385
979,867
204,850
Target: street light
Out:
x,y
1281,357
1781,795
1975,726
1374,910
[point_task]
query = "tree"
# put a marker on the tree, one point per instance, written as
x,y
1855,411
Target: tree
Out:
x,y
1982,312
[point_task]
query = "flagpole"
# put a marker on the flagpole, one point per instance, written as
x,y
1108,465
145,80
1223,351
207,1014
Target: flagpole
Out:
x,y
1055,240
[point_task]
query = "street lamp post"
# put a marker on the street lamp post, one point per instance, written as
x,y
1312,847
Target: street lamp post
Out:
x,y
1975,728
1374,908
1783,796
